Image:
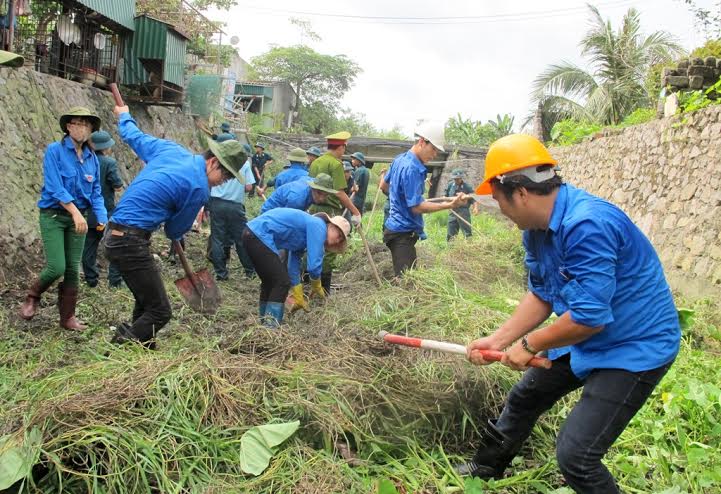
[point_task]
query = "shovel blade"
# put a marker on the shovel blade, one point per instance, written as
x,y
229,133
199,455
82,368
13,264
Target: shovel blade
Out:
x,y
206,298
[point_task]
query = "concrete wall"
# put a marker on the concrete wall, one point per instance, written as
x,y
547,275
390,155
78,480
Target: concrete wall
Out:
x,y
30,105
666,175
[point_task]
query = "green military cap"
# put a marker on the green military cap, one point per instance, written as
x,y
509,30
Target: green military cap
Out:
x,y
359,156
297,155
313,150
79,111
101,140
231,155
9,59
260,145
338,137
458,174
323,182
347,166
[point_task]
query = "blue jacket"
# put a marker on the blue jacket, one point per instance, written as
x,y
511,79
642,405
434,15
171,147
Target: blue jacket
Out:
x,y
406,179
66,179
296,171
594,263
171,188
296,195
297,232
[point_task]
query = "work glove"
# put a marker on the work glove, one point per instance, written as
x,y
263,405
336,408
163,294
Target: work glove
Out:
x,y
355,220
316,288
300,301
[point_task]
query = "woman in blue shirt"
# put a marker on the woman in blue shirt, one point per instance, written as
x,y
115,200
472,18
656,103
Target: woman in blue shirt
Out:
x,y
70,190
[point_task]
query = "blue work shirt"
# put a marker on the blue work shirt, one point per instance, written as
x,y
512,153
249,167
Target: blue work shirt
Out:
x,y
406,178
297,232
233,190
171,188
66,179
595,263
295,195
296,171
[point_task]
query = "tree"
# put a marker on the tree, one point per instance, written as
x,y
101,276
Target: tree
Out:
x,y
464,131
317,79
615,87
708,19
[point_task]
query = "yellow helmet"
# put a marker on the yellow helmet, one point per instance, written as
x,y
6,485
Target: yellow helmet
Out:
x,y
510,153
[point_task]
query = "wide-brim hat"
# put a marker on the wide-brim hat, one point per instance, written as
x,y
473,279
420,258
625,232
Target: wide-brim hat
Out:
x,y
225,126
457,174
297,155
359,156
79,111
101,140
347,167
260,145
231,155
313,150
10,59
339,222
323,182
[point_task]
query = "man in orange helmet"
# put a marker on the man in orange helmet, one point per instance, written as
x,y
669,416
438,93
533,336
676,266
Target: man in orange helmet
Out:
x,y
617,331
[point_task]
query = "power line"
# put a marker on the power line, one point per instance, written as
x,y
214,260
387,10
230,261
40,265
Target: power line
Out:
x,y
443,20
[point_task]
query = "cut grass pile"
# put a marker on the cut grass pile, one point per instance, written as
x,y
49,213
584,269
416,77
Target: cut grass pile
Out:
x,y
125,420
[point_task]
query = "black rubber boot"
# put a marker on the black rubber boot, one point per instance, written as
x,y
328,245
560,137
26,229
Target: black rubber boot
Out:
x,y
325,278
493,456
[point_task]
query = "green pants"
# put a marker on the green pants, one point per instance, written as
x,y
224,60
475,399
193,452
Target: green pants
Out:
x,y
63,249
329,259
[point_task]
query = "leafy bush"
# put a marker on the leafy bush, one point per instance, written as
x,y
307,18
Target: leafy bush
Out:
x,y
639,116
696,100
570,131
712,48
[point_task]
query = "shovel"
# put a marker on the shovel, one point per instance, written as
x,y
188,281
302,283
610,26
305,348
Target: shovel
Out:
x,y
442,346
198,289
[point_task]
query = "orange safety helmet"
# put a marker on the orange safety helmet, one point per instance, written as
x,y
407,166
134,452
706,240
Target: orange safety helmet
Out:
x,y
510,153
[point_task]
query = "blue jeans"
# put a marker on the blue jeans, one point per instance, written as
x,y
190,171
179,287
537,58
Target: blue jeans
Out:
x,y
610,399
227,222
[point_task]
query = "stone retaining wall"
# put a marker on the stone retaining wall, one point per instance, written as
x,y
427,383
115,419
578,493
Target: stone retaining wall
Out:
x,y
666,175
30,105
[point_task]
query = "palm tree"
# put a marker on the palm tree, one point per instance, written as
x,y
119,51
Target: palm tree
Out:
x,y
503,125
615,86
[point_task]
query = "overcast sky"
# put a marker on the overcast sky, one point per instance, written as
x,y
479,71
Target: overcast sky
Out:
x,y
477,58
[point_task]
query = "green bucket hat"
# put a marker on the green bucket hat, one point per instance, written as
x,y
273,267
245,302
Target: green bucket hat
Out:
x,y
9,59
359,156
457,174
101,140
323,182
79,111
231,155
297,155
347,167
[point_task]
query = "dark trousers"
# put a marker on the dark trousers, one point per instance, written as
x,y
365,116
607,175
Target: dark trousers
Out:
x,y
610,399
403,249
454,224
227,222
131,254
90,261
273,274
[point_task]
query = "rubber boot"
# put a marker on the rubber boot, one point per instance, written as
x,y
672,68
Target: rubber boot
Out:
x,y
325,278
274,315
32,301
495,453
262,308
67,299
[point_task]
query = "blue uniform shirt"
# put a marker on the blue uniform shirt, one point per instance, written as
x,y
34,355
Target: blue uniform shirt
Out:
x,y
66,179
233,190
296,171
295,231
593,262
171,188
295,195
406,178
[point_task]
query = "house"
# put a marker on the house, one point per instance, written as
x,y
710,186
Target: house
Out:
x,y
274,101
74,39
155,61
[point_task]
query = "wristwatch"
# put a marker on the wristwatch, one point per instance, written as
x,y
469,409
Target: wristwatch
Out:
x,y
527,347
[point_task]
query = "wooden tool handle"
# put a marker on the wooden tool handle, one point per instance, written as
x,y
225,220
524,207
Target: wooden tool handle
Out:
x,y
116,94
184,261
